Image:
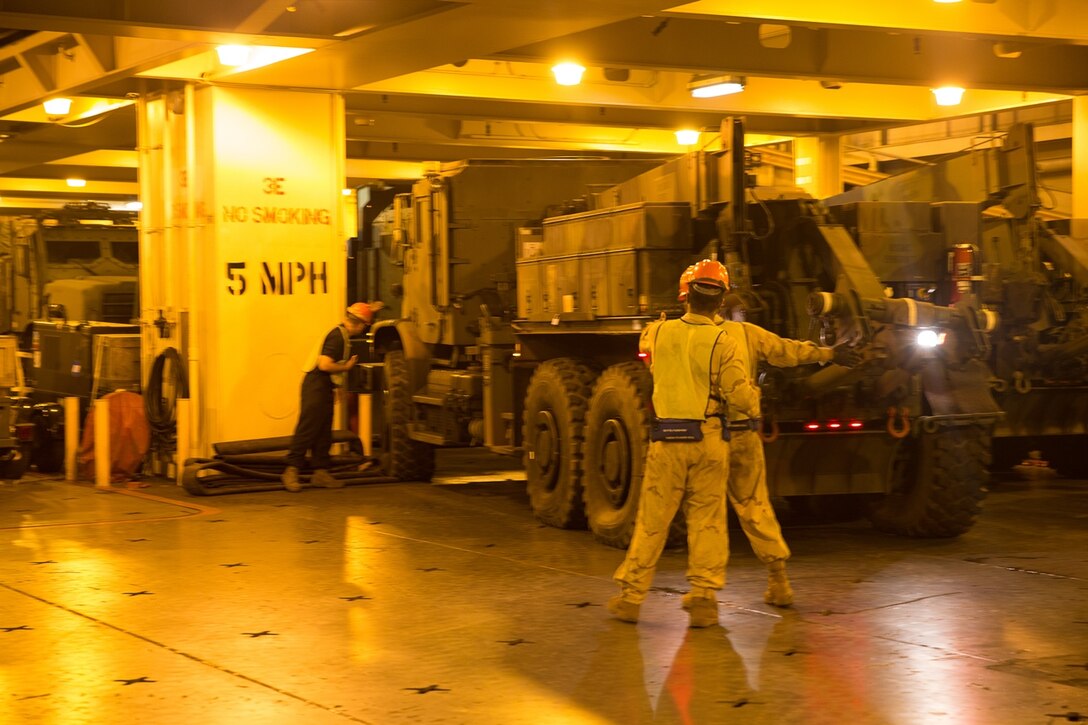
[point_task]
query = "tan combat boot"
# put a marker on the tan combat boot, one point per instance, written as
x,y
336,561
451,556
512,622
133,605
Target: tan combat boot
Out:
x,y
779,592
290,479
623,609
702,607
325,479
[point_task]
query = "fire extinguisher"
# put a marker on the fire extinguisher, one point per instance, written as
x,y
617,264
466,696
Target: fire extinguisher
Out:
x,y
961,268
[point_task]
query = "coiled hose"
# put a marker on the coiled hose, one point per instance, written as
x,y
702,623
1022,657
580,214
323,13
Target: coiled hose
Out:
x,y
166,383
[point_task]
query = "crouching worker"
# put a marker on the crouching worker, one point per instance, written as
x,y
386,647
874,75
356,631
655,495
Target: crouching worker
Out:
x,y
324,372
698,380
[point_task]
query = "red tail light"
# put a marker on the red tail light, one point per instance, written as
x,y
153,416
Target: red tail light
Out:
x,y
24,432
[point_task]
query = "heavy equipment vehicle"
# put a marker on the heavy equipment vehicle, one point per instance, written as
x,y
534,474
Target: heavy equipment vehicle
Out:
x,y
523,289
14,436
69,275
967,229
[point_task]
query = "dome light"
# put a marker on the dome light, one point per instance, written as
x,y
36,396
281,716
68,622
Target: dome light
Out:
x,y
568,73
57,106
948,95
712,86
687,137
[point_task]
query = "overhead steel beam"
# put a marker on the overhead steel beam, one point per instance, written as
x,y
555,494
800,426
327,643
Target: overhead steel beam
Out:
x,y
394,106
849,55
466,30
1059,20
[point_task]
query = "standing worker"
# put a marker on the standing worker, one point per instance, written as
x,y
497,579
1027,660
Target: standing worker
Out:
x,y
698,381
324,370
747,480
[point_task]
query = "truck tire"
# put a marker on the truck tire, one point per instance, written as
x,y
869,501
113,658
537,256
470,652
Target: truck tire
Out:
x,y
401,457
617,435
938,484
13,464
49,456
552,435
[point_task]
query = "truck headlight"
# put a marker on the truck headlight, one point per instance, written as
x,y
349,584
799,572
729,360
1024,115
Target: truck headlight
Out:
x,y
929,338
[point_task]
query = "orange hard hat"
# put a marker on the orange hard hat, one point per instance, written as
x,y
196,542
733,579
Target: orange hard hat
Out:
x,y
709,273
685,280
361,311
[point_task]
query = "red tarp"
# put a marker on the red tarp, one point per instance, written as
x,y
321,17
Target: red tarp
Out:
x,y
130,437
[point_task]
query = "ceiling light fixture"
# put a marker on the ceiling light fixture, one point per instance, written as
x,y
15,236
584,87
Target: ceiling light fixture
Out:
x,y
57,106
233,55
687,137
568,73
712,86
76,183
948,95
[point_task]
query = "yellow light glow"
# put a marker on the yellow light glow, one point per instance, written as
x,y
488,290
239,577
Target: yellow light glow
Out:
x,y
233,55
949,2
803,161
347,192
568,73
687,137
802,180
948,95
76,183
58,106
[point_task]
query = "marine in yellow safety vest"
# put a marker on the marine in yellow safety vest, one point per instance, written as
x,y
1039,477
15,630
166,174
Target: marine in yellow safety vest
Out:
x,y
699,384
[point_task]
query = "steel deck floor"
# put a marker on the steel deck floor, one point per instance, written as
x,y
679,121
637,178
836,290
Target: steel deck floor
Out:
x,y
448,603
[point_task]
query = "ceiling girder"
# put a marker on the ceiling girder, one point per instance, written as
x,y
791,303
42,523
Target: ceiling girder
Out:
x,y
825,53
394,106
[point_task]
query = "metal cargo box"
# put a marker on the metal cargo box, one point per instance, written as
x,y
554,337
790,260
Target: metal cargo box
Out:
x,y
654,225
8,347
885,216
562,281
116,363
642,280
593,297
531,293
64,356
959,221
904,256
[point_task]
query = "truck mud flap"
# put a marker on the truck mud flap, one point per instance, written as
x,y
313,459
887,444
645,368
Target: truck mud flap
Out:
x,y
962,392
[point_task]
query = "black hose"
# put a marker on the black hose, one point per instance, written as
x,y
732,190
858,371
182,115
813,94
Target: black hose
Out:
x,y
161,411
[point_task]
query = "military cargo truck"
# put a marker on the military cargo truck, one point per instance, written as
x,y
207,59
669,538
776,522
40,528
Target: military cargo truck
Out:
x,y
524,286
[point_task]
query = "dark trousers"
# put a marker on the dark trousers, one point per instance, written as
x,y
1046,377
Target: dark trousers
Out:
x,y
314,429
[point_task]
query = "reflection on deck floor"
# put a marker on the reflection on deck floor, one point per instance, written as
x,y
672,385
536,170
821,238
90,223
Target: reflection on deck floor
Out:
x,y
411,603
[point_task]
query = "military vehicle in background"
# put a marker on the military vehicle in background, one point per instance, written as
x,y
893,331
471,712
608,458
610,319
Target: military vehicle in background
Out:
x,y
14,436
525,285
84,256
69,275
966,229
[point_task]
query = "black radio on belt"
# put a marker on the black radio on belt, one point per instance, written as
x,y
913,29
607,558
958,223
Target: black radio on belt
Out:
x,y
676,429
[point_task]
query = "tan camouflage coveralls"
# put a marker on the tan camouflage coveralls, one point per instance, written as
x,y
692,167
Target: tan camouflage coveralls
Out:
x,y
687,385
747,480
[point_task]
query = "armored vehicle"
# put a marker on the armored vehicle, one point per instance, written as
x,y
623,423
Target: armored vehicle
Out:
x,y
524,286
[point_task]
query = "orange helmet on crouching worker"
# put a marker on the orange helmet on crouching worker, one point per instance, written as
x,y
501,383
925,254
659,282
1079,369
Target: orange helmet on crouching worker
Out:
x,y
708,275
360,311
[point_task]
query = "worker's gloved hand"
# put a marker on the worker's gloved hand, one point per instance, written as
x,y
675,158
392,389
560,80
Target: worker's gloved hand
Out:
x,y
843,353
